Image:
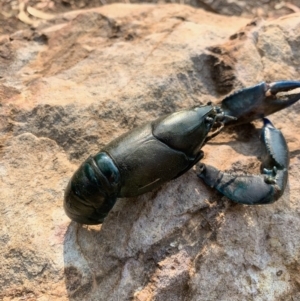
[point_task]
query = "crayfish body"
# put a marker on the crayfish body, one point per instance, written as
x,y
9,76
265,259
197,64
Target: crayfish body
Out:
x,y
164,149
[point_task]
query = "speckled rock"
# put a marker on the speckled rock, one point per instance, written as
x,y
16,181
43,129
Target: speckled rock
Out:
x,y
69,86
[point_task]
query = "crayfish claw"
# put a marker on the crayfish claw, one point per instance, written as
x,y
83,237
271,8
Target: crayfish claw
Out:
x,y
270,175
270,172
248,189
282,86
259,101
255,189
201,167
276,149
208,173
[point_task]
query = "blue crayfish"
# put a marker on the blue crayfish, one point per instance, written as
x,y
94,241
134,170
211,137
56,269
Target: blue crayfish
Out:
x,y
164,149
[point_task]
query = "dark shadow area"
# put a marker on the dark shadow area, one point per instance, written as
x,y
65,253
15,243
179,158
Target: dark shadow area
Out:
x,y
247,134
218,73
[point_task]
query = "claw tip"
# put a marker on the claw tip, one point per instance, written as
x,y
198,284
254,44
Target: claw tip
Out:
x,y
267,122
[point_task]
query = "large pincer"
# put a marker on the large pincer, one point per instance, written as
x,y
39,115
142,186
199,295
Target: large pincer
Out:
x,y
260,100
255,189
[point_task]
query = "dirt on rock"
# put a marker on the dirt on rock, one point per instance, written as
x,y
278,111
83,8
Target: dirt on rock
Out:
x,y
21,14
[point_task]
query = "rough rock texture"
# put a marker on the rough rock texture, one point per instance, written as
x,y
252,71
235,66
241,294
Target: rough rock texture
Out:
x,y
70,86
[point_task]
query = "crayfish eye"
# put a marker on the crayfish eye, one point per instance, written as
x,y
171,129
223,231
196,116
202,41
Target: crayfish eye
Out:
x,y
209,122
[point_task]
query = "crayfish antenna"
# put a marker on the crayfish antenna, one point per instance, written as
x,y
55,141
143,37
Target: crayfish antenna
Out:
x,y
220,119
215,132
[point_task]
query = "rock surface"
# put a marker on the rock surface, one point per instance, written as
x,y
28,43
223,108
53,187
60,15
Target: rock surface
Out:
x,y
75,83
